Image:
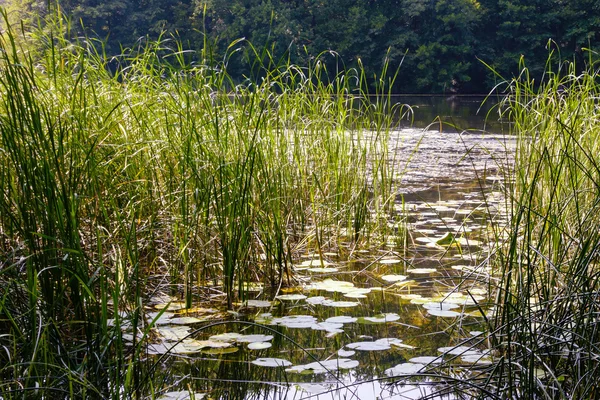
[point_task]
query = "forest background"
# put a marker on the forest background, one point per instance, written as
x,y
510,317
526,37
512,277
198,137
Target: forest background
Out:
x,y
443,46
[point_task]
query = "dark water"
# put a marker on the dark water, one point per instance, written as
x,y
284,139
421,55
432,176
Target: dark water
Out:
x,y
452,113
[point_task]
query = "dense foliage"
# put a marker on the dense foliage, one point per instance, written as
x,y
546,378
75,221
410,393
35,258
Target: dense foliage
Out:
x,y
438,42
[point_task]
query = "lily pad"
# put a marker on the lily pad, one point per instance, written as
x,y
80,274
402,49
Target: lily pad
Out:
x,y
340,304
460,351
346,353
296,321
259,345
342,319
393,278
422,271
324,366
369,346
426,360
405,369
444,313
389,261
379,319
258,303
181,395
316,300
322,270
291,297
271,362
173,333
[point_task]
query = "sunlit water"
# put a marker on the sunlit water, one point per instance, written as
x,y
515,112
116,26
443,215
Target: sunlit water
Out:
x,y
359,323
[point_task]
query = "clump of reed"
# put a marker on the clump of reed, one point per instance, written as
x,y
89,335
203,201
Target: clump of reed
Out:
x,y
119,172
545,332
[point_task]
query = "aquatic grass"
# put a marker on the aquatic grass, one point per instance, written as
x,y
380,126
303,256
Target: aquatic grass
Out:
x,y
144,173
546,332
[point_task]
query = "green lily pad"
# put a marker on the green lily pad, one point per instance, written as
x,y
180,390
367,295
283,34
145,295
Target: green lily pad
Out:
x,y
379,319
342,319
291,297
426,360
271,362
393,278
258,303
324,366
181,395
369,346
405,369
259,345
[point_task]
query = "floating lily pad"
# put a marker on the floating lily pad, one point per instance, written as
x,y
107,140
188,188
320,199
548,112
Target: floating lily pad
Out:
x,y
389,261
476,359
393,278
223,350
253,338
296,321
226,337
328,326
322,270
346,353
181,321
258,303
405,369
173,333
357,293
330,285
315,300
422,271
459,351
342,319
379,319
259,345
313,263
271,362
444,313
324,366
172,306
340,304
426,360
442,306
291,297
181,395
369,346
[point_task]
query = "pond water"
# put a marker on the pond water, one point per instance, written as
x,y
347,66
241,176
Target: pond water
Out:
x,y
401,322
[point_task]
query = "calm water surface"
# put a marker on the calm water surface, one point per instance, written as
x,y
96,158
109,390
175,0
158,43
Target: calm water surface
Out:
x,y
422,293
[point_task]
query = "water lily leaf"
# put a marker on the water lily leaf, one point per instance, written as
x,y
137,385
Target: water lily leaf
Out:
x,y
253,338
315,300
172,306
405,369
291,297
181,321
314,263
322,270
173,333
330,285
422,271
342,319
442,306
460,351
217,351
379,319
357,293
444,313
426,360
369,346
324,366
346,353
389,261
393,278
340,304
296,321
476,359
259,345
328,326
182,395
258,303
271,362
226,337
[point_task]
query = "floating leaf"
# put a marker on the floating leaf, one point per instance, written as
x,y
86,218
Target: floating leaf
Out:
x,y
328,326
380,319
253,338
342,319
172,306
330,285
422,271
388,261
323,270
296,321
440,306
340,304
405,369
459,351
369,346
291,297
271,362
315,300
426,360
182,395
393,278
181,321
173,333
476,359
259,345
224,350
346,353
258,303
324,366
226,337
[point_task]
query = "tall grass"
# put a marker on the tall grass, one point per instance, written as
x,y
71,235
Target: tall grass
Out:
x,y
119,173
546,326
